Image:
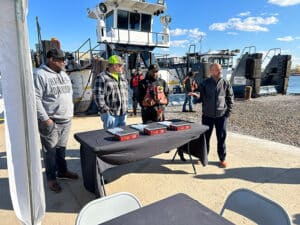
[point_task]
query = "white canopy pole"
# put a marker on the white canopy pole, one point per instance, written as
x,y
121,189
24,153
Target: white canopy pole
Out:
x,y
22,138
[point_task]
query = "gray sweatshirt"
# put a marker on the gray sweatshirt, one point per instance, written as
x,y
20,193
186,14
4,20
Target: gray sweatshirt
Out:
x,y
53,95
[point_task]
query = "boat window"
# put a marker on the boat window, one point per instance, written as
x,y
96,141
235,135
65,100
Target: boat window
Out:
x,y
123,19
134,22
109,20
146,23
225,62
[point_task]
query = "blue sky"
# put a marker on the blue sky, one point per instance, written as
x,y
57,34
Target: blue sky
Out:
x,y
222,24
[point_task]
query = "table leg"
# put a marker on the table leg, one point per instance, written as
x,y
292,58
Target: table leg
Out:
x,y
100,182
175,154
188,148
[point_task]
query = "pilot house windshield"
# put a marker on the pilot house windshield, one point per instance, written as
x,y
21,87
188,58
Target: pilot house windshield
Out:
x,y
133,21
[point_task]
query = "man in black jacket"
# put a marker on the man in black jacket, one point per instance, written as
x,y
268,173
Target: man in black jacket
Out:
x,y
216,96
153,96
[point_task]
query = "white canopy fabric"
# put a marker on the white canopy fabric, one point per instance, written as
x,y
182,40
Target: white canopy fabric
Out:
x,y
22,138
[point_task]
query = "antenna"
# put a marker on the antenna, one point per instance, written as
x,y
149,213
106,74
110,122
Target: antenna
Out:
x,y
165,20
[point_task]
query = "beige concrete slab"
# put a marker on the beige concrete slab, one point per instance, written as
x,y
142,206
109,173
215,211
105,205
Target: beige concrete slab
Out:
x,y
269,168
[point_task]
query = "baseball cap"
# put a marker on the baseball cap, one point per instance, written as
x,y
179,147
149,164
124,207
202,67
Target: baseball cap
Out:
x,y
56,54
153,67
115,59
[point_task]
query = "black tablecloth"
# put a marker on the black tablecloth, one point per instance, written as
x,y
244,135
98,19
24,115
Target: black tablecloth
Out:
x,y
179,209
111,152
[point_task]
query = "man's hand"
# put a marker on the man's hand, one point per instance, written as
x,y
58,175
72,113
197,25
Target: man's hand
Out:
x,y
48,122
195,94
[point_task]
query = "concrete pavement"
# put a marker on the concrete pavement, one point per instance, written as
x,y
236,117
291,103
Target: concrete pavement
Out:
x,y
269,168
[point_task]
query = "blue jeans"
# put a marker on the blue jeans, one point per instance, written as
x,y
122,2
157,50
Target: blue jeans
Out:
x,y
54,148
188,99
220,125
111,121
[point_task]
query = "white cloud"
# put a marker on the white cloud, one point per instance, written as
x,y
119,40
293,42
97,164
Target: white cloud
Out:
x,y
249,24
245,13
192,33
195,33
179,43
297,38
286,38
284,2
178,32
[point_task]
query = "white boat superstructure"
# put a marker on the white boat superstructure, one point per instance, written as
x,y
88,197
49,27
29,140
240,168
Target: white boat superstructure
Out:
x,y
130,22
222,57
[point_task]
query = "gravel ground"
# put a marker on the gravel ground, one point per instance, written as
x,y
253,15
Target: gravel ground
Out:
x,y
275,118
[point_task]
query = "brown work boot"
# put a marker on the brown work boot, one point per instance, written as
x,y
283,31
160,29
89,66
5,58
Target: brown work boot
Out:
x,y
54,186
68,175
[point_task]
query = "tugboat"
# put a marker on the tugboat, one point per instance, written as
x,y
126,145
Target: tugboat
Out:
x,y
125,28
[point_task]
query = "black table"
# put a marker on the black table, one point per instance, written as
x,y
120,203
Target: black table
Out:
x,y
179,209
99,151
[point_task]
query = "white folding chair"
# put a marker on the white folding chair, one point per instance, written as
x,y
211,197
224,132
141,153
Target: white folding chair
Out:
x,y
106,208
256,208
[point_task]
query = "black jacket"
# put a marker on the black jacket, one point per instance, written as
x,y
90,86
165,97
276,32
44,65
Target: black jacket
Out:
x,y
216,97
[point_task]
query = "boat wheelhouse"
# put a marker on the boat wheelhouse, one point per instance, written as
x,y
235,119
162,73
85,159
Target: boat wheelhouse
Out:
x,y
126,26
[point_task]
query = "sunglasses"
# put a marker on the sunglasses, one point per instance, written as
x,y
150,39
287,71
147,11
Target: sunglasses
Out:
x,y
59,59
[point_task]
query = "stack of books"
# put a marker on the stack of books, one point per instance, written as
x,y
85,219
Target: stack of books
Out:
x,y
124,134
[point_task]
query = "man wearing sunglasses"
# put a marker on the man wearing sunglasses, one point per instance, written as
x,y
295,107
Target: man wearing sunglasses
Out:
x,y
54,103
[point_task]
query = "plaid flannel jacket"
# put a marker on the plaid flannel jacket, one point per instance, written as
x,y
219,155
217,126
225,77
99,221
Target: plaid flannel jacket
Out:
x,y
110,95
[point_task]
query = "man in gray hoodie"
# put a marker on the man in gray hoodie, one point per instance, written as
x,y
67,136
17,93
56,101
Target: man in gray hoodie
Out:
x,y
54,104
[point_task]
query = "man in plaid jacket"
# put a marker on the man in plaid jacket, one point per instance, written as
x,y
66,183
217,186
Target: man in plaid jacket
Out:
x,y
111,94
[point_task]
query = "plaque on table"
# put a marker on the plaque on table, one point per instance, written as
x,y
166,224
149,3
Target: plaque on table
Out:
x,y
176,125
124,134
154,129
180,125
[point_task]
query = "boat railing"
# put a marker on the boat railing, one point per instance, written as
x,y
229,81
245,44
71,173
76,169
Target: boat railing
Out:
x,y
134,37
268,56
249,50
85,51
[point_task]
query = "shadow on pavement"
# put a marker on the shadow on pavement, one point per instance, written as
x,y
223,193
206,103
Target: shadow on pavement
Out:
x,y
5,202
3,161
259,175
296,219
150,165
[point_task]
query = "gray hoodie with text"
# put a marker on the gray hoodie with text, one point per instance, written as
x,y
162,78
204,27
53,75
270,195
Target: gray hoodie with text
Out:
x,y
53,95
